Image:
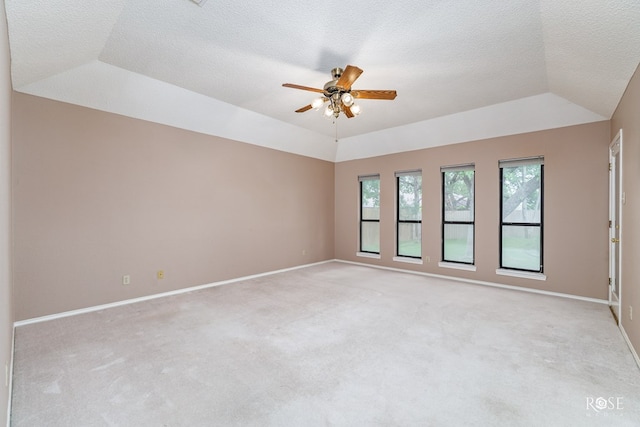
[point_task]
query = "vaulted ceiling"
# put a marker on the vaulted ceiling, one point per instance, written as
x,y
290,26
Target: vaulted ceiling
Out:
x,y
463,70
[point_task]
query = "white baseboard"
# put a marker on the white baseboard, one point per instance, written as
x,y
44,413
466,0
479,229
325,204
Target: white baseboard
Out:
x,y
633,350
480,282
238,279
154,296
10,390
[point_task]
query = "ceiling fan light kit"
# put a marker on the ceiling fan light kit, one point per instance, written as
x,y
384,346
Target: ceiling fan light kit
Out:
x,y
337,92
347,99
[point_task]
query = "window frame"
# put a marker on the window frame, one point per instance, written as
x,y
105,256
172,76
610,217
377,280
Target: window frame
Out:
x,y
398,175
361,207
539,160
443,170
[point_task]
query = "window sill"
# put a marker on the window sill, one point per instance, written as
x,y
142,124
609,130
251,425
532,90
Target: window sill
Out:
x,y
408,260
457,266
521,274
368,255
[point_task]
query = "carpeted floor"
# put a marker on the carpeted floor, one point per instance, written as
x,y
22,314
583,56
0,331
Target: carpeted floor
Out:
x,y
332,344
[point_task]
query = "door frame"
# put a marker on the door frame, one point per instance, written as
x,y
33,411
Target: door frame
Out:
x,y
616,200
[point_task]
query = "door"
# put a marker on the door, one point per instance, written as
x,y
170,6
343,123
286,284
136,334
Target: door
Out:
x,y
616,199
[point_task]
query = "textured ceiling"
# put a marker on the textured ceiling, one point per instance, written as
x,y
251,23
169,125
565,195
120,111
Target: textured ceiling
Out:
x,y
463,70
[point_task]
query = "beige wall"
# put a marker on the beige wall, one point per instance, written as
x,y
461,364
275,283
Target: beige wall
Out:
x,y
575,197
627,118
6,306
98,195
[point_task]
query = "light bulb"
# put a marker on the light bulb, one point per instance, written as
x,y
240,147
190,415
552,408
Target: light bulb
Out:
x,y
317,103
355,109
328,111
347,99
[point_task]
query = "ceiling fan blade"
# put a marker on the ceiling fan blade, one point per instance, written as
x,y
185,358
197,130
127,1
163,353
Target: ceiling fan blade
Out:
x,y
347,111
349,75
374,94
312,89
303,109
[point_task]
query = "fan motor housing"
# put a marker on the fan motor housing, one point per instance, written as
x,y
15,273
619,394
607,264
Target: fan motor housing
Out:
x,y
331,87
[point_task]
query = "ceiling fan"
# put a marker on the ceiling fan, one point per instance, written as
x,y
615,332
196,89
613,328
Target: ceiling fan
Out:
x,y
338,93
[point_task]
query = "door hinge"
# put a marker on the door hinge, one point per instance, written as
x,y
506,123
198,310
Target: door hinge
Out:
x,y
609,166
609,223
609,281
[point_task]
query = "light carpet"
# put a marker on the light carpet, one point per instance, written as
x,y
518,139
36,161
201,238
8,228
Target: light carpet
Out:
x,y
331,344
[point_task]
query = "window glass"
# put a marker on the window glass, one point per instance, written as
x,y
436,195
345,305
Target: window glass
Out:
x,y
409,214
521,214
370,214
458,205
521,247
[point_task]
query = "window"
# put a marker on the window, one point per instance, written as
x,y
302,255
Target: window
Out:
x,y
370,214
409,214
458,214
521,207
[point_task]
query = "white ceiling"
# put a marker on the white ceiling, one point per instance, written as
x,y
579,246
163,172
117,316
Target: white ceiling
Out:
x,y
463,70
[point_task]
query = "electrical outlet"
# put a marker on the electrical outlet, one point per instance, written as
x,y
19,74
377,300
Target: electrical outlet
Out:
x,y
126,279
160,274
630,312
427,259
6,375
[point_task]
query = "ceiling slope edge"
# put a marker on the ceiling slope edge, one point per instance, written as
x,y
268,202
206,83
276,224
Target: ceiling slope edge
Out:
x,y
49,37
134,95
534,113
